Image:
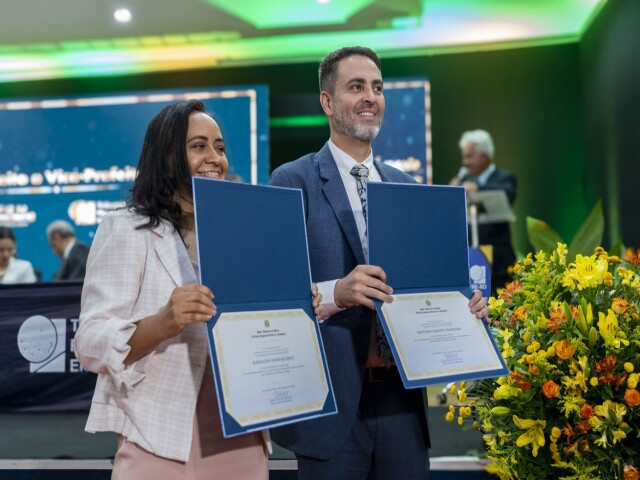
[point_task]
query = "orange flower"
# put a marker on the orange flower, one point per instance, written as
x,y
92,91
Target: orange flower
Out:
x,y
632,397
520,383
509,289
586,411
519,313
633,256
619,306
550,389
630,473
556,318
564,349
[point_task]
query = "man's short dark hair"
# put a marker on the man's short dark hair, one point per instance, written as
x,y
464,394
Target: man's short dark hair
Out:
x,y
328,70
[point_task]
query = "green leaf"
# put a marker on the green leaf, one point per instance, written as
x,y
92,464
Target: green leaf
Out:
x,y
618,249
589,235
542,236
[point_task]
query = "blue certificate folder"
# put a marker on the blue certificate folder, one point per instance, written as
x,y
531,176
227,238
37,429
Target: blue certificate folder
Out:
x,y
418,235
253,255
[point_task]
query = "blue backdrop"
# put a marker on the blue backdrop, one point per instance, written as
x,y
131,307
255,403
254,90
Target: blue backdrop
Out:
x,y
75,158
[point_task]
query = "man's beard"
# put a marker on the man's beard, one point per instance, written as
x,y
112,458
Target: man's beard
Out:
x,y
365,133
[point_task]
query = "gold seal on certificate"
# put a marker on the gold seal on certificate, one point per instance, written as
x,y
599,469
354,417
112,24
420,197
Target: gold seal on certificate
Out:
x,y
434,336
270,365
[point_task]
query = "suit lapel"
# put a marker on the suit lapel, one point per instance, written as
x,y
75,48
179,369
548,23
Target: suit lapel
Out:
x,y
387,174
336,195
173,255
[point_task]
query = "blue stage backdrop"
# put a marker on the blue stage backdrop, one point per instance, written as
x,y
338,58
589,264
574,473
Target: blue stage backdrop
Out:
x,y
404,140
75,158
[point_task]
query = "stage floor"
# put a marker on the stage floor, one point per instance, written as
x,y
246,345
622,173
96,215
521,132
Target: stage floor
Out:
x,y
54,446
62,436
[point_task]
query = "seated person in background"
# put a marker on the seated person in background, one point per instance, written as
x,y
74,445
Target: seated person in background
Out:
x,y
478,172
13,270
62,239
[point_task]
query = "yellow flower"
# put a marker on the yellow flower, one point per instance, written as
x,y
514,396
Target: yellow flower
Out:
x,y
495,303
628,367
491,441
462,396
561,254
534,433
608,279
608,326
449,417
632,381
506,391
602,441
506,333
628,277
618,435
533,347
593,382
507,351
541,256
586,272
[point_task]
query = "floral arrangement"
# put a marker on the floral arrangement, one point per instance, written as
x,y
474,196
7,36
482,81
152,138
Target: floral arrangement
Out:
x,y
570,335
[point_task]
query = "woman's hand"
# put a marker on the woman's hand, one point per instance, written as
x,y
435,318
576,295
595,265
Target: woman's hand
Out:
x,y
316,303
187,305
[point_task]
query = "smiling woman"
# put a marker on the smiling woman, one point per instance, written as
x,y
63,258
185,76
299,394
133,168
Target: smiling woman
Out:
x,y
142,312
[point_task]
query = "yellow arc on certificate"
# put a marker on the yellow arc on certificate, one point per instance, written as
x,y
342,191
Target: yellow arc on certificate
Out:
x,y
270,365
434,335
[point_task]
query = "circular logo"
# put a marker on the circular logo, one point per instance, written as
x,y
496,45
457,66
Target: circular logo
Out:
x,y
476,272
37,338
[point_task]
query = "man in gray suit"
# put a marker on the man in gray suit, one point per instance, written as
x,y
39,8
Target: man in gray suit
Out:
x,y
479,173
380,430
73,253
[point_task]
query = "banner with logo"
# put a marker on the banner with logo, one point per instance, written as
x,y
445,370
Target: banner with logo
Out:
x,y
38,370
479,271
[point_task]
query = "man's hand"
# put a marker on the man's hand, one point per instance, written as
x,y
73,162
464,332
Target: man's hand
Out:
x,y
478,306
316,303
470,187
363,284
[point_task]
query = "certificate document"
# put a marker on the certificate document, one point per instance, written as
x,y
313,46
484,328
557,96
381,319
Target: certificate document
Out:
x,y
418,235
270,365
265,345
437,339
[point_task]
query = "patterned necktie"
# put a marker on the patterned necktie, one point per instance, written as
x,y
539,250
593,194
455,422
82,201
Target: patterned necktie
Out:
x,y
361,174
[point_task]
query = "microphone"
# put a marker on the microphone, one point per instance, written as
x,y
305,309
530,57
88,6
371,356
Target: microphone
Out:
x,y
462,173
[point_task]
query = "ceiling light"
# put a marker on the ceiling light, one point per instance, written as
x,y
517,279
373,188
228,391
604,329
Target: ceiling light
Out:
x,y
122,15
